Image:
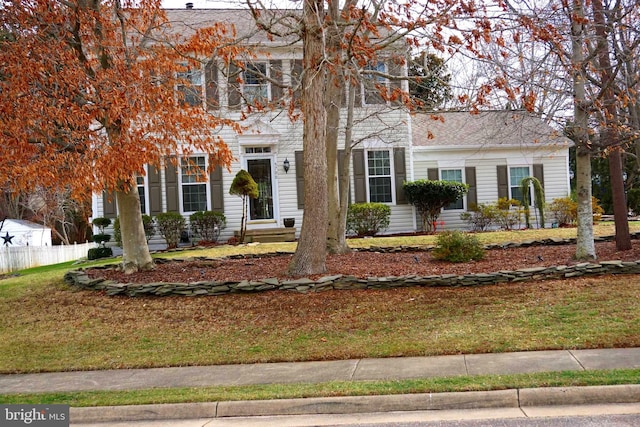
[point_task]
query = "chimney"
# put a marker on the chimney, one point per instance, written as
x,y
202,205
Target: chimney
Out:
x,y
189,5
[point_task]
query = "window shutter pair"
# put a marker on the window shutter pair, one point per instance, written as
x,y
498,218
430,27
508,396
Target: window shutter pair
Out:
x,y
469,178
300,174
360,178
503,178
172,189
235,90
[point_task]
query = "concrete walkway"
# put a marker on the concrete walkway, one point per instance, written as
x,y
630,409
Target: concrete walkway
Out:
x,y
344,370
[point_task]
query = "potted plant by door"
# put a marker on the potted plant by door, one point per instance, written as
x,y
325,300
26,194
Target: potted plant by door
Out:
x,y
289,222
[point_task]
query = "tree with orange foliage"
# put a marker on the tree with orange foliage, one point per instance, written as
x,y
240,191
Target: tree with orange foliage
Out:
x,y
88,98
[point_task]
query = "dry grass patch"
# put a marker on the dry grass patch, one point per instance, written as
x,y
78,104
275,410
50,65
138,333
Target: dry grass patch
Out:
x,y
52,328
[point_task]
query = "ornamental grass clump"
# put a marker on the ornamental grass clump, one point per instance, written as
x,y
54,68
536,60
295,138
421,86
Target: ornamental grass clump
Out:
x,y
455,246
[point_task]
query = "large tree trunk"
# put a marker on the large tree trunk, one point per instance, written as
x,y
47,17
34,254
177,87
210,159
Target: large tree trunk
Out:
x,y
334,94
311,254
135,250
585,247
609,134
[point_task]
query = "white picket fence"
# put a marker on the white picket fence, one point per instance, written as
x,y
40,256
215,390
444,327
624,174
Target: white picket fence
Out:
x,y
13,258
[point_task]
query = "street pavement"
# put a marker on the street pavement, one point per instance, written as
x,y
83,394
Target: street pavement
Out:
x,y
342,370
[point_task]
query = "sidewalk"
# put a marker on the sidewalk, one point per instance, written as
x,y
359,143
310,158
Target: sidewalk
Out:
x,y
343,370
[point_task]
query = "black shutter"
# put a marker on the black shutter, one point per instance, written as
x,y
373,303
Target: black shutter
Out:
x,y
503,181
234,89
432,174
171,188
396,70
400,175
470,178
360,177
211,81
296,82
217,195
538,173
275,73
109,207
155,191
299,178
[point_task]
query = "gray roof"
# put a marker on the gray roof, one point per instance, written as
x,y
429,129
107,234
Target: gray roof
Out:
x,y
506,128
186,21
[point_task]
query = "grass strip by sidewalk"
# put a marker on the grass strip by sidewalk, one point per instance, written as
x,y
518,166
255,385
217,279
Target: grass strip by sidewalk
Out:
x,y
329,389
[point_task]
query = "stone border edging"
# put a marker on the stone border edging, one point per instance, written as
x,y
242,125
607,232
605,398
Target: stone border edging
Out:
x,y
79,278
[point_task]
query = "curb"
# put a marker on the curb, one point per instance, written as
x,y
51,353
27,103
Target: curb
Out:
x,y
512,398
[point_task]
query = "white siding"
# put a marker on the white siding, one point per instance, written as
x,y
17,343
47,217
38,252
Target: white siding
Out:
x,y
485,161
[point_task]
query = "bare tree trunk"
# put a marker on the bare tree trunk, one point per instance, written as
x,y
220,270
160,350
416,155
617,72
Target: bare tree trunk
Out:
x,y
311,254
609,134
334,94
135,251
585,247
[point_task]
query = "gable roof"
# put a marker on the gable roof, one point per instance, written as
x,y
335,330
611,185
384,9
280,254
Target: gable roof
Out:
x,y
505,128
187,21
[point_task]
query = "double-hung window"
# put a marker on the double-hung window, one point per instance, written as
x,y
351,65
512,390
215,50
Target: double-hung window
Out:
x,y
373,83
380,176
256,86
194,187
516,175
453,175
190,87
141,193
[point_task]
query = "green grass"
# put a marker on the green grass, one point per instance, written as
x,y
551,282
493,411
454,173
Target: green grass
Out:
x,y
47,326
329,389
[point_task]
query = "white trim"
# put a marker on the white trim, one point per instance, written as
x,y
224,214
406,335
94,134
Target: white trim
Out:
x,y
391,172
464,181
273,157
180,184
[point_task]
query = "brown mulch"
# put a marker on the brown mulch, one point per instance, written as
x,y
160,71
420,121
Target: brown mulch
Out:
x,y
367,264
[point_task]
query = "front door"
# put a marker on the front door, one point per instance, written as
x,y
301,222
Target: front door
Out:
x,y
261,208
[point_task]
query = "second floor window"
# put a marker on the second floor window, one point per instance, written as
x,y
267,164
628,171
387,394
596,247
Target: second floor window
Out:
x,y
190,88
256,86
372,83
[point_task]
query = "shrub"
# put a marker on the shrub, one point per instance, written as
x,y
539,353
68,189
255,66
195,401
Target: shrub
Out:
x,y
455,246
508,213
147,223
429,197
633,200
565,210
244,185
101,252
368,219
480,216
207,224
100,238
170,225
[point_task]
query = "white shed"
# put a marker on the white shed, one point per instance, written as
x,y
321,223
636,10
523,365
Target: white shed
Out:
x,y
19,232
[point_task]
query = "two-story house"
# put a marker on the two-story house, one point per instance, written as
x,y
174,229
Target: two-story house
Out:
x,y
391,146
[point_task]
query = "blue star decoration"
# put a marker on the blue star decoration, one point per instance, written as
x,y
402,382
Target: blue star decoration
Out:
x,y
7,239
